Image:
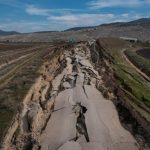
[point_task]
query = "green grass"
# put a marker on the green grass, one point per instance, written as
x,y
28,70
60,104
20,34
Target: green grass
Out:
x,y
132,83
138,60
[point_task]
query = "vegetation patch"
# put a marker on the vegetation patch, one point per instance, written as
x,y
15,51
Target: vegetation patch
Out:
x,y
136,88
142,63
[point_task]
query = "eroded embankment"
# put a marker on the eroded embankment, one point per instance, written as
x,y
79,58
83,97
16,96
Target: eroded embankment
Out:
x,y
65,109
130,118
36,107
82,118
142,64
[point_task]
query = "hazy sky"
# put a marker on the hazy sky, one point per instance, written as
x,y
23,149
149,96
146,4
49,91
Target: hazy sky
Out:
x,y
43,15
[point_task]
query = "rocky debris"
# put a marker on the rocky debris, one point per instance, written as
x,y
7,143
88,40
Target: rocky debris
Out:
x,y
33,116
36,108
66,85
67,111
82,116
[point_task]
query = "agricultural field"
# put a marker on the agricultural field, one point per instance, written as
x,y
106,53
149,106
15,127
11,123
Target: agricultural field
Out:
x,y
140,61
134,89
19,67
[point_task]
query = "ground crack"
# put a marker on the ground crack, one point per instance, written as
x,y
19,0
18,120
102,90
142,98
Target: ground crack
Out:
x,y
84,91
80,124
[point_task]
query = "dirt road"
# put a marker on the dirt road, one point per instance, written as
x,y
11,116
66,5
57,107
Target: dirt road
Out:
x,y
135,67
82,118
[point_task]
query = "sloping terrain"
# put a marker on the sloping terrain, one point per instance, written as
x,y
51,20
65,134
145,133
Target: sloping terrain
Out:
x,y
144,52
139,29
83,118
140,62
86,96
131,89
19,65
4,33
128,78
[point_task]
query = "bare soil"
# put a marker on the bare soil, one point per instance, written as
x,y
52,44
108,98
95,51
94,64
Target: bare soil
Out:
x,y
70,102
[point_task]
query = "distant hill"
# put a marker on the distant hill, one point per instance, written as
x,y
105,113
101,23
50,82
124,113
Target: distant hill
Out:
x,y
3,33
139,29
79,28
44,31
141,22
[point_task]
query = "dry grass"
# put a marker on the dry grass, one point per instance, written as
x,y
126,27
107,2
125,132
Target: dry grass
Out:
x,y
16,82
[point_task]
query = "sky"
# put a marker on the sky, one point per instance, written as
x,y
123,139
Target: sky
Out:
x,y
56,15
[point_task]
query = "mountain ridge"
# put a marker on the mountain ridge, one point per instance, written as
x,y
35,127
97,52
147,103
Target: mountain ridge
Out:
x,y
141,21
4,33
139,29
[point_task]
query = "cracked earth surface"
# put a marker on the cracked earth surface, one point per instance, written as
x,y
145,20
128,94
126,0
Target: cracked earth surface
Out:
x,y
82,119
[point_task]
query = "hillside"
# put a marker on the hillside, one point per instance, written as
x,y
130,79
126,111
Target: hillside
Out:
x,y
143,22
4,33
79,28
139,29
